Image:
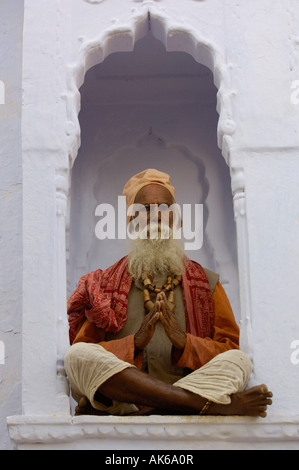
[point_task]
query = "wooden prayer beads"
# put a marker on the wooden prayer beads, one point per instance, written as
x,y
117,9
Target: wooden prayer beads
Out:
x,y
172,283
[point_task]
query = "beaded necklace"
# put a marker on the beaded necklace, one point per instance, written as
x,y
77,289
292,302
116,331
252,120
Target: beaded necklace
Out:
x,y
168,288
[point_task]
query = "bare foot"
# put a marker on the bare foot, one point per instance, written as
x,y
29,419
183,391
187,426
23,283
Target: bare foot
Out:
x,y
251,402
84,408
144,411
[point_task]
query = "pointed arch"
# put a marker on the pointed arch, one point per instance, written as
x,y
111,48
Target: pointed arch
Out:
x,y
175,38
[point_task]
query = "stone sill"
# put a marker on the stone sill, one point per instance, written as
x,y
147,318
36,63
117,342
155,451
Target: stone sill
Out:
x,y
153,432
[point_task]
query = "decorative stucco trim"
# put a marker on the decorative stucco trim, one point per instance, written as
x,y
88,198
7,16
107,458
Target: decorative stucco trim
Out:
x,y
122,38
167,432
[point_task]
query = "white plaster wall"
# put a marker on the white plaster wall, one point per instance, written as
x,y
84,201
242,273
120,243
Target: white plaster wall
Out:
x,y
273,211
255,48
11,14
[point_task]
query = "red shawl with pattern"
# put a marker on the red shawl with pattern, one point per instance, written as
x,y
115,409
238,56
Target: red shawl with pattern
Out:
x,y
102,296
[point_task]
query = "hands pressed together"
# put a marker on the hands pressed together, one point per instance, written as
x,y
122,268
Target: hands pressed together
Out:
x,y
161,312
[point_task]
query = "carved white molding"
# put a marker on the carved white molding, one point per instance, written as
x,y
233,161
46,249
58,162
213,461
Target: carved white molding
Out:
x,y
239,202
233,158
122,38
153,432
62,341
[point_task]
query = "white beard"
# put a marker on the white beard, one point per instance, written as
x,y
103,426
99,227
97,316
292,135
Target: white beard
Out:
x,y
156,255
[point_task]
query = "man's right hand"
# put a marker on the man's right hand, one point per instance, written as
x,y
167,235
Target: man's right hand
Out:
x,y
147,329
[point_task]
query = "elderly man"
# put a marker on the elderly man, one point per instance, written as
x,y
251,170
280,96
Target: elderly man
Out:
x,y
155,332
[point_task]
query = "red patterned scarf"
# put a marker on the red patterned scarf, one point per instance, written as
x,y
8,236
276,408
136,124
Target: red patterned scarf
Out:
x,y
102,297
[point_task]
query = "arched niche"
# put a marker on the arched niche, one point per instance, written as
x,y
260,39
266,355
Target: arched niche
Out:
x,y
152,108
45,402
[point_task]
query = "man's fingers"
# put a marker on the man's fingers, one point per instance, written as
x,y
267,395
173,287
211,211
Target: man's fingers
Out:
x,y
174,332
146,331
164,308
163,296
162,319
155,318
151,320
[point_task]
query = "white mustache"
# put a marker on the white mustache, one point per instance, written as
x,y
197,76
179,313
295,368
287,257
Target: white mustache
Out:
x,y
156,231
155,254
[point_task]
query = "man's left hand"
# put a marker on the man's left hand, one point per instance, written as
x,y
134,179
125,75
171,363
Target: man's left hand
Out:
x,y
170,323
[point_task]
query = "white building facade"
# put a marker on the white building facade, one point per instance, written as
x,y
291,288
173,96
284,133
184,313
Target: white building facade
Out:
x,y
207,90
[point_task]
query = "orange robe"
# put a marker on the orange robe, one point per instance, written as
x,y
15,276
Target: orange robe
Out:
x,y
197,352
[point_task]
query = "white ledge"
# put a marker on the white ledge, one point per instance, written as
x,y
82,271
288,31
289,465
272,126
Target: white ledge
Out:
x,y
153,432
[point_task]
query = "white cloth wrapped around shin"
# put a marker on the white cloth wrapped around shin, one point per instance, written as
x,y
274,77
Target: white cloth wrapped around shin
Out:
x,y
89,365
224,375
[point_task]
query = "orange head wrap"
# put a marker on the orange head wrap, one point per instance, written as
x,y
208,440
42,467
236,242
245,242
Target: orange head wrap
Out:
x,y
149,176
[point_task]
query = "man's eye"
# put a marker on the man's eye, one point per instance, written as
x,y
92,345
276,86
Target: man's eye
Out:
x,y
145,208
164,207
153,207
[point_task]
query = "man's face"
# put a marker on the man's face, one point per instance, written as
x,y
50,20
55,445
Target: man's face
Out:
x,y
156,252
157,195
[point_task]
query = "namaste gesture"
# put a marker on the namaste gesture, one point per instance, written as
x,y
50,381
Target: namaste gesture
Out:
x,y
160,311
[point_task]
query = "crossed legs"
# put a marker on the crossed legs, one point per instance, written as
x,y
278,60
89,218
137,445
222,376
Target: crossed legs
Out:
x,y
133,386
114,392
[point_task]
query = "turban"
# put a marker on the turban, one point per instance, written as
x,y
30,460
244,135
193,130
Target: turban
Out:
x,y
149,176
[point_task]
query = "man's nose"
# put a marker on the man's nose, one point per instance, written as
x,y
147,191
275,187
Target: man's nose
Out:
x,y
155,213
